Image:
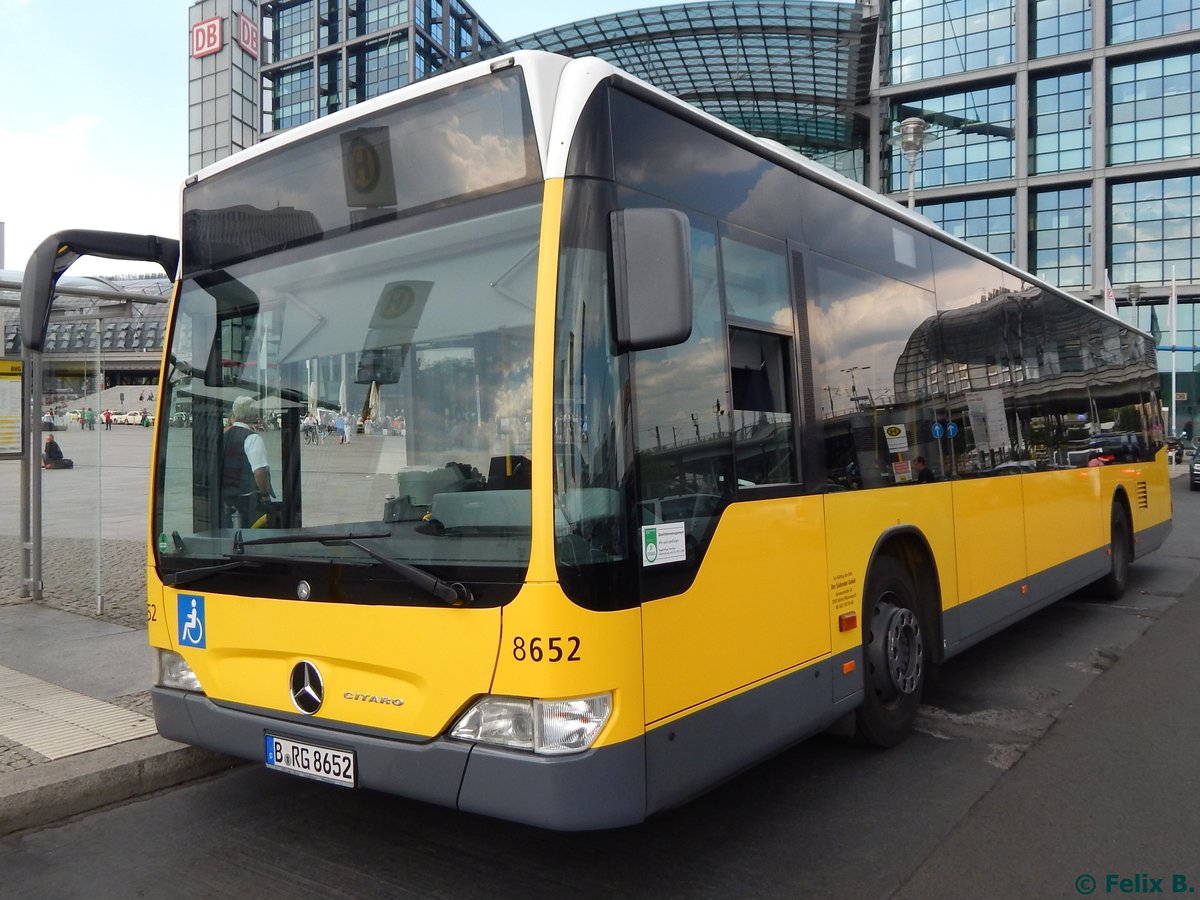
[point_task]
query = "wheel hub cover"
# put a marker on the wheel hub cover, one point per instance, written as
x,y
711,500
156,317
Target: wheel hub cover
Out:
x,y
904,650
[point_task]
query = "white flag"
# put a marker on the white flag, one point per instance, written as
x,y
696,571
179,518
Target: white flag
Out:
x,y
1110,299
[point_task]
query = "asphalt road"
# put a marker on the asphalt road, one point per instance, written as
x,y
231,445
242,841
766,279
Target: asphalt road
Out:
x,y
1008,788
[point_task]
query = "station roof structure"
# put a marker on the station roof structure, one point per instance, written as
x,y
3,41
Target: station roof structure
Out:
x,y
794,72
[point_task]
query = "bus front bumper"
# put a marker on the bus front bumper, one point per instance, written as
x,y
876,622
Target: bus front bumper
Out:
x,y
600,788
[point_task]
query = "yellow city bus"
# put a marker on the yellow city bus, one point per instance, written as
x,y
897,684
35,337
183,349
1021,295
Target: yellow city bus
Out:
x,y
662,448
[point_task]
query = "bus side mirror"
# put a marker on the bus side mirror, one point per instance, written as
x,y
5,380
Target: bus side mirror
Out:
x,y
652,278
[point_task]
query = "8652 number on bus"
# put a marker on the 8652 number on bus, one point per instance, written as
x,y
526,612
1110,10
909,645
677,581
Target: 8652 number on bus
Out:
x,y
548,649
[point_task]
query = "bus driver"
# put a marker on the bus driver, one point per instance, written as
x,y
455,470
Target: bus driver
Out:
x,y
245,473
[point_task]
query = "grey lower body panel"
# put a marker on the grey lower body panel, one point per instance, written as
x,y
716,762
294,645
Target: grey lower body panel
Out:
x,y
1150,539
608,787
602,788
971,622
690,755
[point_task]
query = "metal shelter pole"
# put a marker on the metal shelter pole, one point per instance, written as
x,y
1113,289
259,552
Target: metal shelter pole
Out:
x,y
31,513
26,532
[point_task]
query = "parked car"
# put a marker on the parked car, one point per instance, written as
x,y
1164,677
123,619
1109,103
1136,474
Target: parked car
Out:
x,y
1121,446
1016,467
1194,474
133,417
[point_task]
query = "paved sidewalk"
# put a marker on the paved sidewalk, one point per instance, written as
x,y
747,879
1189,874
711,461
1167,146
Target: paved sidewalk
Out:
x,y
1109,795
76,728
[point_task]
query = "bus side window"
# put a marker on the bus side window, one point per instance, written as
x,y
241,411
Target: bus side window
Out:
x,y
763,433
755,279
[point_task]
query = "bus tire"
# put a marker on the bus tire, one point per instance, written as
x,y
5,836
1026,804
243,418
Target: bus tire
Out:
x,y
1112,586
895,656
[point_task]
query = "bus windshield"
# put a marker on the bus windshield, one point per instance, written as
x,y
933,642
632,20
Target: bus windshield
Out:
x,y
349,370
385,386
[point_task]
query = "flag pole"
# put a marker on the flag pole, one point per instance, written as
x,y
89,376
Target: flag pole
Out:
x,y
1171,304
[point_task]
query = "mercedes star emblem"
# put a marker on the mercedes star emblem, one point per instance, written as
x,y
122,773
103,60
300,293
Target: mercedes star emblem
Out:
x,y
307,690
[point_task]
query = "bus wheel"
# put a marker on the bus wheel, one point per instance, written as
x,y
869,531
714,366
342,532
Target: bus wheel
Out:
x,y
896,658
1112,586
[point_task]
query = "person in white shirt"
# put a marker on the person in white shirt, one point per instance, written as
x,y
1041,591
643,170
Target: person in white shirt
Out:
x,y
245,472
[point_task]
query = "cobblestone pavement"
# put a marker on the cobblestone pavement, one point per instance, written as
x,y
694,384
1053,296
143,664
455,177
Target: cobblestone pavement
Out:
x,y
69,583
69,577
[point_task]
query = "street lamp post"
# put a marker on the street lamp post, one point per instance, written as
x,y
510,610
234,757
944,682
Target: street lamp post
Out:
x,y
913,138
854,398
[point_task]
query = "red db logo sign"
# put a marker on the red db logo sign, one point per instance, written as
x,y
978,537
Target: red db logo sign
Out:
x,y
206,37
248,35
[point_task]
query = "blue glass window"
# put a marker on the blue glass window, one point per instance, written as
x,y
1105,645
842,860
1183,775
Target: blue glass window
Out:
x,y
985,222
1060,26
1154,110
292,97
292,30
931,38
377,67
369,16
974,133
1152,231
1061,127
1136,20
1060,249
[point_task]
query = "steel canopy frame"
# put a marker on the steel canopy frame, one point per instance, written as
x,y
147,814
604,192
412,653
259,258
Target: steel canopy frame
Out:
x,y
794,72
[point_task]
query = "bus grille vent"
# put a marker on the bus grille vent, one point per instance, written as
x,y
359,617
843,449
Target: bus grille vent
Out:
x,y
1143,495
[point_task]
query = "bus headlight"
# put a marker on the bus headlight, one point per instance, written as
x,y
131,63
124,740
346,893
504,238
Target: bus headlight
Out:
x,y
548,727
174,672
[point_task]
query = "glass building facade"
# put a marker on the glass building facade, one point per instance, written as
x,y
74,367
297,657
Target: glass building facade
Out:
x,y
1067,140
257,68
322,55
1064,134
223,90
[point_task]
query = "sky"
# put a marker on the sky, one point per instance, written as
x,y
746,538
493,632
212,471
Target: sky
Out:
x,y
93,128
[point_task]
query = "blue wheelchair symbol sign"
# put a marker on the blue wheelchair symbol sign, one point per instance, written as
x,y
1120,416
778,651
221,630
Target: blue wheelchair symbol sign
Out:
x,y
190,616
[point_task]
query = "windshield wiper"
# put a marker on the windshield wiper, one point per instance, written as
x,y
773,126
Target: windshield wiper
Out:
x,y
451,593
309,537
186,575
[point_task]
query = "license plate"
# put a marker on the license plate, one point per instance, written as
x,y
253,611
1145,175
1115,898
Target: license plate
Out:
x,y
311,761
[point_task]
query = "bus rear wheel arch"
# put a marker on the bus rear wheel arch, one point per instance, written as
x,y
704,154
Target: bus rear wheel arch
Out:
x,y
897,653
1112,586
